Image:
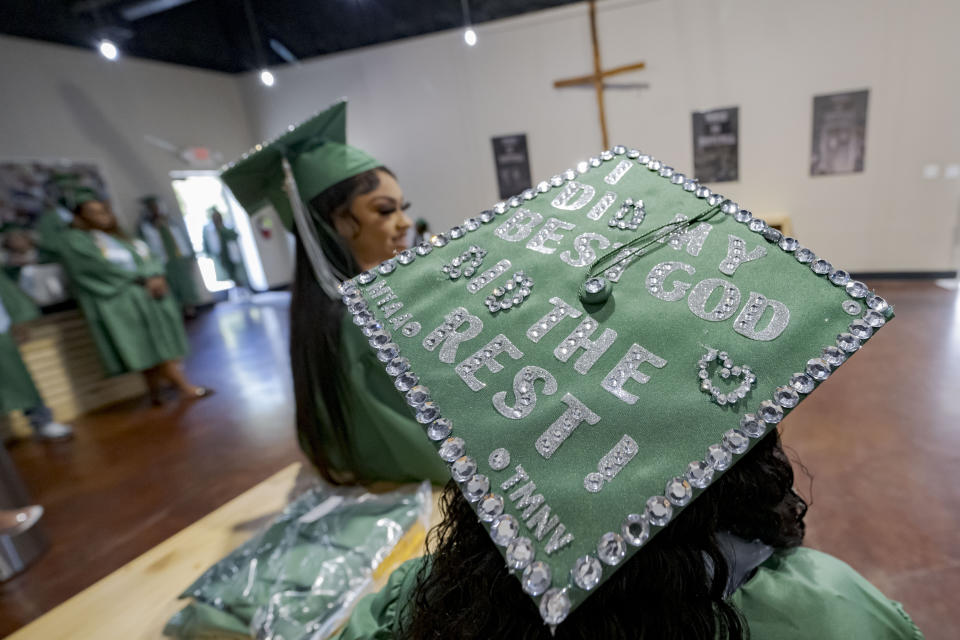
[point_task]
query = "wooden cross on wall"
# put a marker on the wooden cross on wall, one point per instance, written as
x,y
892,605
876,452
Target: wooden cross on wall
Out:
x,y
598,75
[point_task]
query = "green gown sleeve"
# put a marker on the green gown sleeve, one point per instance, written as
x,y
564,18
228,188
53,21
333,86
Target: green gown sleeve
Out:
x,y
17,390
803,593
207,249
378,616
169,243
92,273
796,595
149,266
18,304
388,443
179,269
236,268
226,237
49,228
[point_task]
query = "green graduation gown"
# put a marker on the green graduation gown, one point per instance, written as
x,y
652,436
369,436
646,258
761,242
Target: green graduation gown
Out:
x,y
131,329
298,576
388,444
17,390
795,595
169,244
220,244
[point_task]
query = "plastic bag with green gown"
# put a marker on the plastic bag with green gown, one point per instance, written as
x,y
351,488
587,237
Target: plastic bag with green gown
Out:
x,y
300,577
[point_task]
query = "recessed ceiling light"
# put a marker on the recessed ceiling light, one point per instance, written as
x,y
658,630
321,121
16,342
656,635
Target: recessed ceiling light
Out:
x,y
108,50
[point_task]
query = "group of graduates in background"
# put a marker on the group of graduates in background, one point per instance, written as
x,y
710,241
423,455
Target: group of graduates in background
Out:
x,y
133,293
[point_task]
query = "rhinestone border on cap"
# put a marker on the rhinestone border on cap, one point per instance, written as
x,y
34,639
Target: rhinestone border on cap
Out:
x,y
752,425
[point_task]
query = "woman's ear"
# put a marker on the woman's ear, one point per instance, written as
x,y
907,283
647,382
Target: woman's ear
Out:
x,y
346,225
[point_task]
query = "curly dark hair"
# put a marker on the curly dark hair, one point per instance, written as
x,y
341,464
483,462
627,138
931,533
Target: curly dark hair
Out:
x,y
663,591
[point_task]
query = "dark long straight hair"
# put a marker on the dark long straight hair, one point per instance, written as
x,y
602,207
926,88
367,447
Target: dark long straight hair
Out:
x,y
664,591
315,334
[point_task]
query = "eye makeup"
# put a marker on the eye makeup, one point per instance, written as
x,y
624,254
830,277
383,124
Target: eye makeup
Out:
x,y
389,206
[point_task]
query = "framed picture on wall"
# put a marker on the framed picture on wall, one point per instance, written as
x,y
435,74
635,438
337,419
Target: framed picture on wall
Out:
x,y
839,133
30,187
716,145
513,164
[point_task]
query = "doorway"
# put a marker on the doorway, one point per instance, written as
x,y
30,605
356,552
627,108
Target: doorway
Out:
x,y
197,192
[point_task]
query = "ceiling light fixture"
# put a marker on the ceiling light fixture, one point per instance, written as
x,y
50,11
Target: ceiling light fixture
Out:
x,y
108,50
266,76
469,36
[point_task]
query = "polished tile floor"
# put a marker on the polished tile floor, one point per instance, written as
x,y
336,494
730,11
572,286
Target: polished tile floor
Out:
x,y
881,444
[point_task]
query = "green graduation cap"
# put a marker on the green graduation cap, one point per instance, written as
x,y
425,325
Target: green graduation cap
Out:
x,y
318,155
74,196
291,170
70,190
591,354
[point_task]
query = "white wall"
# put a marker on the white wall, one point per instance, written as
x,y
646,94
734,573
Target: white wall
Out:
x,y
64,102
428,106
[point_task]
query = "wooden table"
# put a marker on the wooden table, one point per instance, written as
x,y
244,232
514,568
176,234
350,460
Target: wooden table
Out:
x,y
135,601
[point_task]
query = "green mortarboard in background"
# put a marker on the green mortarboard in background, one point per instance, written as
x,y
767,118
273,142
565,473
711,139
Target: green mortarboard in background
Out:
x,y
73,197
65,180
591,354
312,156
318,155
70,190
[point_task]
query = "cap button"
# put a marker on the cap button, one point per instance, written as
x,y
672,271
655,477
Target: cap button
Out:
x,y
595,291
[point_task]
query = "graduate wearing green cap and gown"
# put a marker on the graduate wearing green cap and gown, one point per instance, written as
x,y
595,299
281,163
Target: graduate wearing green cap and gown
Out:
x,y
17,389
120,287
347,214
606,386
169,243
220,243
